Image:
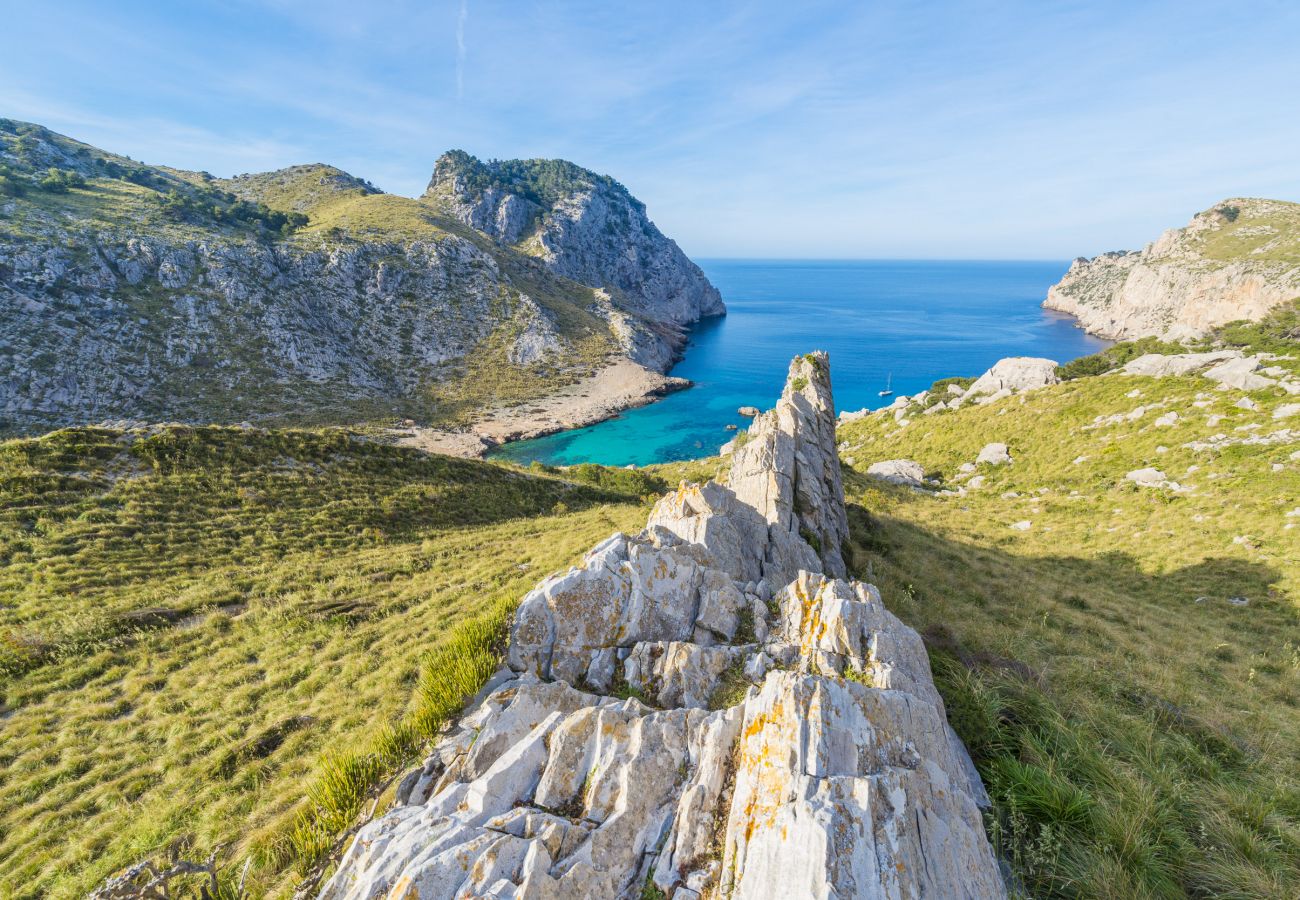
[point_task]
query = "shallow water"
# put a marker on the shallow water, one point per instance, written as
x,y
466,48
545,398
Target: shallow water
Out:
x,y
917,320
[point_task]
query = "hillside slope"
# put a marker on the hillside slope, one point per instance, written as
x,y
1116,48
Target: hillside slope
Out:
x,y
192,617
1236,260
298,296
1124,668
1122,659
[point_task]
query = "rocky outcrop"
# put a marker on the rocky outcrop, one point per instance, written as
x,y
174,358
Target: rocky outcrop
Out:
x,y
1012,375
1234,261
99,327
706,709
589,228
898,471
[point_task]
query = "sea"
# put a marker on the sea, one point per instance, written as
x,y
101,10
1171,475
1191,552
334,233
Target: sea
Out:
x,y
896,324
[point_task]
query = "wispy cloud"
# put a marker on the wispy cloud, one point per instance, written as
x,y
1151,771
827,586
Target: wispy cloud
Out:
x,y
748,126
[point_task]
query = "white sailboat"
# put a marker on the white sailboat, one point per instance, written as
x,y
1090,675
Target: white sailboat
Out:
x,y
888,390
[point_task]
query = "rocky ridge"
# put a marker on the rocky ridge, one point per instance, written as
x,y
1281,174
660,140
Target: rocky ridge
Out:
x,y
709,708
1237,260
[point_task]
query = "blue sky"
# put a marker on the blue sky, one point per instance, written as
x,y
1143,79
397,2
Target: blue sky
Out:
x,y
911,129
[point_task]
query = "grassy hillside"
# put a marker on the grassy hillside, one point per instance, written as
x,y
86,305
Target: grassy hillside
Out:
x,y
1137,729
1251,230
191,617
235,637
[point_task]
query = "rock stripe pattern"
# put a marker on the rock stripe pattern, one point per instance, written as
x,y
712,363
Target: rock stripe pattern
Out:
x,y
707,709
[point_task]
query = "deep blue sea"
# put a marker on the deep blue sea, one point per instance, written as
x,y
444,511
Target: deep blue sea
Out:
x,y
918,321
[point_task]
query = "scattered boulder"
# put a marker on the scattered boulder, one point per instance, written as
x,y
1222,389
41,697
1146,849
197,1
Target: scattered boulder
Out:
x,y
1286,411
994,455
1246,403
748,411
1014,374
898,471
1169,418
1022,526
1239,373
1159,365
1152,478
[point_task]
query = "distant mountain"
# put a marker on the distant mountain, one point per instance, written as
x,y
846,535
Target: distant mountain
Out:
x,y
306,295
1237,260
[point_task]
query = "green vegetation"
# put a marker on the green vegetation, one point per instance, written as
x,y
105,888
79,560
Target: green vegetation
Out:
x,y
1257,230
209,205
1136,731
543,181
1115,356
1277,333
199,622
58,181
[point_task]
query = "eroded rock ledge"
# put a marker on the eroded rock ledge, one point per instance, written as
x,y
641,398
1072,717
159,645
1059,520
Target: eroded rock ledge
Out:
x,y
779,734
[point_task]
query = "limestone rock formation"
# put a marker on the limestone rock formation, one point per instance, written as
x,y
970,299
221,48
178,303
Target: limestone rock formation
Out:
x,y
898,471
994,455
1160,365
1236,260
589,228
1012,375
781,734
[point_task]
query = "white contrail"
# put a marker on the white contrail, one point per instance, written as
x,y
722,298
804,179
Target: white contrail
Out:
x,y
460,48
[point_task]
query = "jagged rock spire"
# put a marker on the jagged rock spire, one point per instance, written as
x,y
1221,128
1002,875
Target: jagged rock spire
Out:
x,y
782,736
788,468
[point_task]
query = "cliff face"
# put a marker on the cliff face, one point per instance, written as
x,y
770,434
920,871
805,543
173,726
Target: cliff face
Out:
x,y
779,733
1235,261
586,227
147,329
303,295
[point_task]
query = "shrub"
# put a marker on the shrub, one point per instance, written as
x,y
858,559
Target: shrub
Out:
x,y
1114,357
58,181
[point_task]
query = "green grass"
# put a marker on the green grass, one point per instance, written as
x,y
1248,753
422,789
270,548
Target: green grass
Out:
x,y
1137,741
222,636
1256,230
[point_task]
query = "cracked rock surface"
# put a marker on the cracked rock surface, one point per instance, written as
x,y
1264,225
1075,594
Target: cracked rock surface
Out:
x,y
710,707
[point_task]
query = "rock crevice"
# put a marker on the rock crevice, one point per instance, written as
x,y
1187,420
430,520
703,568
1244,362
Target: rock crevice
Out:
x,y
710,707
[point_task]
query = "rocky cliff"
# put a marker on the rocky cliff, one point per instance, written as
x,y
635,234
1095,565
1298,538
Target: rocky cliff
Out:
x,y
586,227
1237,260
300,296
709,708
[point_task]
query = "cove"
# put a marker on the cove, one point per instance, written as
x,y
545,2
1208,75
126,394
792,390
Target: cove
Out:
x,y
917,320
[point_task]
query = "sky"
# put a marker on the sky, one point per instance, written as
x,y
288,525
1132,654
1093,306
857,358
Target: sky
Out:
x,y
1042,130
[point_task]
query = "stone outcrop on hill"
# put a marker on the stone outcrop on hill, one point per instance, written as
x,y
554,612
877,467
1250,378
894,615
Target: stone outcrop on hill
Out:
x,y
1012,375
1237,260
705,709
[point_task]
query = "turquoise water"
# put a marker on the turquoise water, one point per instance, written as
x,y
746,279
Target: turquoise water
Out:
x,y
919,320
